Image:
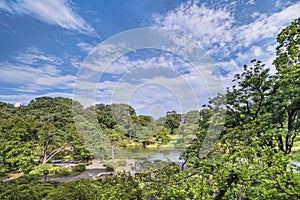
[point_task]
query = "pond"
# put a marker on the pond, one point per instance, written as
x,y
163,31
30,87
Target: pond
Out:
x,y
138,152
296,164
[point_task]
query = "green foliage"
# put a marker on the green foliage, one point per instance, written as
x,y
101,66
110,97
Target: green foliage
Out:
x,y
121,163
27,187
64,171
287,99
262,121
113,165
57,111
288,53
79,167
17,143
172,122
119,187
163,136
168,182
105,116
37,133
110,166
296,155
143,120
48,168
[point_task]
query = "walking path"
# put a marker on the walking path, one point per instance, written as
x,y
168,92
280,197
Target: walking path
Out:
x,y
93,171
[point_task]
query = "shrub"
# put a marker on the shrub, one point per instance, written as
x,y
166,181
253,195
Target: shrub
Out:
x,y
121,163
79,167
110,166
46,169
64,171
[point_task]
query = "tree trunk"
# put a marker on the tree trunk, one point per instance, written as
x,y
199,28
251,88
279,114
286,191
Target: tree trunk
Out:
x,y
232,177
46,158
113,152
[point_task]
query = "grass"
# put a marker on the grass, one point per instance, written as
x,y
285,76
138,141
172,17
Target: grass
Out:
x,y
296,155
173,144
168,146
296,150
296,146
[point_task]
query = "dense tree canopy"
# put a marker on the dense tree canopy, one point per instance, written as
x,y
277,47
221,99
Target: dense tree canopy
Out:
x,y
37,133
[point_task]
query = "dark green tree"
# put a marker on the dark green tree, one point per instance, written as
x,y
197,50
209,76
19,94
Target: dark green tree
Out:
x,y
286,101
172,122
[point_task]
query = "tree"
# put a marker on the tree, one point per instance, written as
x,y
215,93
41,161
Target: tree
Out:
x,y
79,150
262,121
51,142
287,84
105,116
287,52
33,135
172,122
163,135
57,111
17,143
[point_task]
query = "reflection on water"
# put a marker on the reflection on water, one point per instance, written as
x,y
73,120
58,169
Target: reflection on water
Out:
x,y
296,165
149,154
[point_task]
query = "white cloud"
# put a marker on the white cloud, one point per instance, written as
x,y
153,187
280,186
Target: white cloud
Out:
x,y
278,4
182,93
5,6
127,65
141,85
224,37
251,2
231,42
35,71
14,98
75,62
85,46
218,32
33,56
31,79
266,26
257,51
10,73
165,80
51,70
211,27
26,98
57,12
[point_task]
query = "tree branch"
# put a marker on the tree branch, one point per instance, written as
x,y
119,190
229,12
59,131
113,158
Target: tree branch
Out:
x,y
53,153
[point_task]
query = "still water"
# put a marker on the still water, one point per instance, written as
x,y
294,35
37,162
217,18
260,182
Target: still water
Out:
x,y
149,154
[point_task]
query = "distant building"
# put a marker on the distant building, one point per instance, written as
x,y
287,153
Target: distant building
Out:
x,y
19,104
171,113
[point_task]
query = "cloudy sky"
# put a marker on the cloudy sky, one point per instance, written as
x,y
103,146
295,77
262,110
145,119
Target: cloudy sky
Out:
x,y
74,49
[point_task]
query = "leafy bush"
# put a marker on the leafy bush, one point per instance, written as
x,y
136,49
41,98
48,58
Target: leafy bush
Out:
x,y
49,170
26,187
46,169
110,166
79,167
121,163
64,171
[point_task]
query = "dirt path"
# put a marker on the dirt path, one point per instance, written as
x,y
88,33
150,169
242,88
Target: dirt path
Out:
x,y
95,170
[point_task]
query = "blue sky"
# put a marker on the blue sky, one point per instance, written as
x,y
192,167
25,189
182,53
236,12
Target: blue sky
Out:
x,y
45,43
